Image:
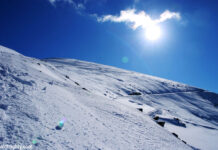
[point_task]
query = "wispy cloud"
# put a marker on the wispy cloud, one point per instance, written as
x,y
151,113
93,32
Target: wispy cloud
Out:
x,y
78,6
136,1
140,19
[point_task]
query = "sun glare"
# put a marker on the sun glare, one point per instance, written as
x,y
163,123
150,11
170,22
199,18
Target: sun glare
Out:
x,y
153,33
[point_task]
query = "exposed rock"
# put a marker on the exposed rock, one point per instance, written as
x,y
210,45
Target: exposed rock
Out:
x,y
58,128
85,89
177,119
135,93
184,142
175,135
140,109
179,122
76,83
156,118
161,123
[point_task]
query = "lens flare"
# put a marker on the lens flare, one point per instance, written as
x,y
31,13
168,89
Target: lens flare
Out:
x,y
125,59
61,124
34,142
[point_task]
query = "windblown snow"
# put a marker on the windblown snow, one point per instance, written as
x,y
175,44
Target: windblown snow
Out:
x,y
103,108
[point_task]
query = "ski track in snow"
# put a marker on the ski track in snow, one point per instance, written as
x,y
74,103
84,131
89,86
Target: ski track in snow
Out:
x,y
100,104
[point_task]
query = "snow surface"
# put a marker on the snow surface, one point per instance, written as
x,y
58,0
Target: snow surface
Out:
x,y
100,105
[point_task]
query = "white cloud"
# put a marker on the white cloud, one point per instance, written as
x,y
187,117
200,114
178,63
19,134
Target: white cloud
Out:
x,y
140,19
168,15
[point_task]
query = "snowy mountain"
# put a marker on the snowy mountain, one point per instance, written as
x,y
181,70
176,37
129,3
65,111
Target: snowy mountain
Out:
x,y
65,104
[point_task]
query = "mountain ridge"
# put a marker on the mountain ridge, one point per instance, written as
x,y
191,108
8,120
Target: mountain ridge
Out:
x,y
101,107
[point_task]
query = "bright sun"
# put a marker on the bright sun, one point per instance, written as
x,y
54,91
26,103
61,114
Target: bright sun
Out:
x,y
153,33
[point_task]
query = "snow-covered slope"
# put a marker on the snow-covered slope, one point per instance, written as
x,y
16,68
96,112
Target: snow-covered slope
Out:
x,y
99,107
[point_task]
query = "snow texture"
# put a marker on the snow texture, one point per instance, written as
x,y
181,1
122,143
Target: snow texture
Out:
x,y
100,106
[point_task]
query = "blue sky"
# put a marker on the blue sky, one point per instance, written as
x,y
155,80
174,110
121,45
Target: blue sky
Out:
x,y
97,31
